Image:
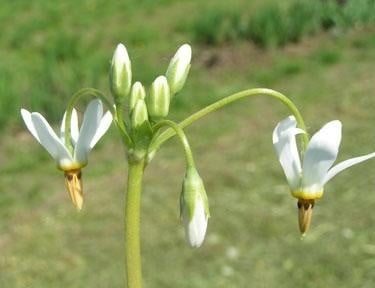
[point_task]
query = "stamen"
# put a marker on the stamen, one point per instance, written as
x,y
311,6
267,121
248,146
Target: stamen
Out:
x,y
73,184
305,208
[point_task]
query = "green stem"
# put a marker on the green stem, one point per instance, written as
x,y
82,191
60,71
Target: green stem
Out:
x,y
181,135
132,224
227,100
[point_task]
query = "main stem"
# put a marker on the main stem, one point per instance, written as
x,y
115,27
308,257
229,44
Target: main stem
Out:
x,y
132,224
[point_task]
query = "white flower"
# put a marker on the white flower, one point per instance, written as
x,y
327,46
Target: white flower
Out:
x,y
194,208
307,180
93,127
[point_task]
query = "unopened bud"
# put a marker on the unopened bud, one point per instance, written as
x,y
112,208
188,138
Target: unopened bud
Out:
x,y
159,98
137,92
178,68
120,75
139,114
194,208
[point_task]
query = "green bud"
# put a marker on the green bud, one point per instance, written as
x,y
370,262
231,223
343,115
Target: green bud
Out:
x,y
139,114
178,68
120,75
194,208
159,98
137,92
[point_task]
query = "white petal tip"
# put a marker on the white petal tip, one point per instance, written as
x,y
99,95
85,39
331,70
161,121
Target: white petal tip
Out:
x,y
196,228
184,52
26,115
121,54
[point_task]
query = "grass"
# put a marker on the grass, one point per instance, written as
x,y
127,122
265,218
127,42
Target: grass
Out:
x,y
276,24
253,238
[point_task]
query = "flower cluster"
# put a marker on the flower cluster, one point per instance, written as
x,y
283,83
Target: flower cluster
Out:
x,y
147,109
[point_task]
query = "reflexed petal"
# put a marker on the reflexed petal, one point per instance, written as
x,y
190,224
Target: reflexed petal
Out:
x,y
26,116
49,140
285,145
105,123
320,155
346,164
195,228
90,124
74,133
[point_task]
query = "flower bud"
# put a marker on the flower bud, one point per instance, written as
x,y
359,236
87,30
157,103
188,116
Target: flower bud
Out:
x,y
120,75
178,68
139,114
194,208
137,92
158,101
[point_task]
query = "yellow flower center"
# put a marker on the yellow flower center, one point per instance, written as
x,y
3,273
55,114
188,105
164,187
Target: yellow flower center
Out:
x,y
307,195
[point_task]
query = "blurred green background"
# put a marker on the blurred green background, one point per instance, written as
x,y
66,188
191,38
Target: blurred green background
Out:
x,y
319,53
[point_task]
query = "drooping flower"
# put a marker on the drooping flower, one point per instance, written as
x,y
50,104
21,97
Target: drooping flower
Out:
x,y
93,127
307,180
194,208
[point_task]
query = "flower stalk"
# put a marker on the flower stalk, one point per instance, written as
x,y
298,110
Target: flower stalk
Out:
x,y
182,137
228,100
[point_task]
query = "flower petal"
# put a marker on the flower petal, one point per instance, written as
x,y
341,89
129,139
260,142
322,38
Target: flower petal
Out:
x,y
196,227
285,145
90,124
105,123
320,155
74,133
26,116
346,164
49,140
